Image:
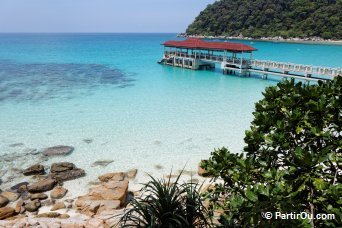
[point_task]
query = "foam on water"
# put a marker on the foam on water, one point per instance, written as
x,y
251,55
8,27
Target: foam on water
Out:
x,y
109,90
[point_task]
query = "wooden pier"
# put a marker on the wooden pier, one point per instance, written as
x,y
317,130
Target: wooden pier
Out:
x,y
236,58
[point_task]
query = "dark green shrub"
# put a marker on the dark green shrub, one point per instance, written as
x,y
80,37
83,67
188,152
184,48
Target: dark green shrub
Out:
x,y
292,161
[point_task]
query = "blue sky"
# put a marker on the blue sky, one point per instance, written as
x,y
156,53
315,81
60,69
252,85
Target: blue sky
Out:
x,y
98,15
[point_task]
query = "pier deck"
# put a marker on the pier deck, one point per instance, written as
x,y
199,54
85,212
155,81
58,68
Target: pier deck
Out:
x,y
197,54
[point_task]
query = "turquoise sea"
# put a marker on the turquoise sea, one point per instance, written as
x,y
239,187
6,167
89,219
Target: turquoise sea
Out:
x,y
106,95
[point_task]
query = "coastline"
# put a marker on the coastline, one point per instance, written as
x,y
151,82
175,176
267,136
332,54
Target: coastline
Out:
x,y
313,40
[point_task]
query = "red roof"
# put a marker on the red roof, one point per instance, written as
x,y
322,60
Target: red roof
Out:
x,y
194,43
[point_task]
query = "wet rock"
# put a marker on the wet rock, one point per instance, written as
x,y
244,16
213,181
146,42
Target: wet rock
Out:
x,y
11,196
58,192
65,171
131,174
58,151
102,163
34,170
42,186
39,196
61,167
68,175
112,176
58,206
32,206
6,212
20,188
47,203
3,201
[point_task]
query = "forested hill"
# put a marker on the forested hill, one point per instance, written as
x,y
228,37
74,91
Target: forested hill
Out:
x,y
271,18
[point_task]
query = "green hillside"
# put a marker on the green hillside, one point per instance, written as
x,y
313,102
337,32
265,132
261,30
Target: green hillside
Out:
x,y
267,18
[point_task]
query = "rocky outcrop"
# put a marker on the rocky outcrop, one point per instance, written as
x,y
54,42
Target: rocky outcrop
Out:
x,y
64,171
34,170
58,192
112,190
11,196
6,212
42,186
58,151
109,195
3,201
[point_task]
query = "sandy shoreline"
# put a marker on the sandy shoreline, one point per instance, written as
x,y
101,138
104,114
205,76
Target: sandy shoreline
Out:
x,y
314,40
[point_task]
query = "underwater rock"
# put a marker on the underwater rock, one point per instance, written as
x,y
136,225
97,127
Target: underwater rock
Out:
x,y
58,206
88,141
20,187
102,163
58,151
131,174
34,170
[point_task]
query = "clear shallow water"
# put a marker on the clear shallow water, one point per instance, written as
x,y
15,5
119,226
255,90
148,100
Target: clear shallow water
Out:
x,y
59,89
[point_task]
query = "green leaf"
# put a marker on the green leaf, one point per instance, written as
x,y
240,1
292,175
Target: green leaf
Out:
x,y
251,195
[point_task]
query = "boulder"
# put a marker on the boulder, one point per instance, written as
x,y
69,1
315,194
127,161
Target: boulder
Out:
x,y
20,188
3,201
112,190
39,196
32,206
112,176
131,174
65,171
11,196
58,151
6,212
61,167
42,186
58,206
58,192
34,170
68,175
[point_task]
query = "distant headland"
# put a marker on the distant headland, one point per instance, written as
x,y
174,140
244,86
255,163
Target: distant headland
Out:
x,y
281,21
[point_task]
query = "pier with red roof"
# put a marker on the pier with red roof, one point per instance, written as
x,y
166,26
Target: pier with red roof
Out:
x,y
236,58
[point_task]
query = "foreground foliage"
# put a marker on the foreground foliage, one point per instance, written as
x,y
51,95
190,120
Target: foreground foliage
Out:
x,y
166,204
258,18
292,161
